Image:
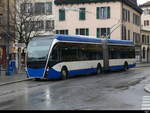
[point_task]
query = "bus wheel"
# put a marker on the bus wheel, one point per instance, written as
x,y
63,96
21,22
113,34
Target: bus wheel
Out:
x,y
126,67
37,79
99,70
64,73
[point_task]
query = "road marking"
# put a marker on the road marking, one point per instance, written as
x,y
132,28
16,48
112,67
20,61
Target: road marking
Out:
x,y
145,103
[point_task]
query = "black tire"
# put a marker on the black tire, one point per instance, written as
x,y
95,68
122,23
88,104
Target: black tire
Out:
x,y
64,73
37,79
126,67
99,70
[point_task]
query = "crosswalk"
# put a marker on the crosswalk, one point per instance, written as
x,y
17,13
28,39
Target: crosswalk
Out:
x,y
145,103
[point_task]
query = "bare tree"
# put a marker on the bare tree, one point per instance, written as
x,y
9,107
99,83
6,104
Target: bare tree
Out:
x,y
26,23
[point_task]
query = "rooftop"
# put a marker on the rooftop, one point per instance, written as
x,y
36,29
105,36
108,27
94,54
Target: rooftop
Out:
x,y
131,3
147,4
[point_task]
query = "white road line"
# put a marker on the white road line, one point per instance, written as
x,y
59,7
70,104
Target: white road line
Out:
x,y
146,99
145,108
145,103
146,96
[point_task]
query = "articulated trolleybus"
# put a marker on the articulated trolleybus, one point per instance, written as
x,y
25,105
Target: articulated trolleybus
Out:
x,y
63,56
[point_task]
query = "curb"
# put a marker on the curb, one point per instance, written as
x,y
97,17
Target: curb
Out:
x,y
142,66
147,88
14,82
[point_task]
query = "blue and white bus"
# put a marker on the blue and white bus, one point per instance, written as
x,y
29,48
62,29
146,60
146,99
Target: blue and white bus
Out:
x,y
63,56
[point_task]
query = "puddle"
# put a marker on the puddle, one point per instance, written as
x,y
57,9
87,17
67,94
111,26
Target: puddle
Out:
x,y
126,85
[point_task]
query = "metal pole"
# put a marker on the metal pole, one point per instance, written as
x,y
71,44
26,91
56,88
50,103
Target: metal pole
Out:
x,y
8,32
19,62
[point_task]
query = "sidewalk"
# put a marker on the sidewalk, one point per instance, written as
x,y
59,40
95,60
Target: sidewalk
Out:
x,y
146,87
142,65
8,79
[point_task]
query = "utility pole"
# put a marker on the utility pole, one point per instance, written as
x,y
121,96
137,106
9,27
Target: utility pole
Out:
x,y
19,60
8,32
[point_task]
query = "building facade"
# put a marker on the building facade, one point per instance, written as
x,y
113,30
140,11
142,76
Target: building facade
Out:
x,y
115,19
145,35
7,30
145,32
40,12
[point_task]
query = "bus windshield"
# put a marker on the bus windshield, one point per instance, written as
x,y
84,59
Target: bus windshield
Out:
x,y
38,49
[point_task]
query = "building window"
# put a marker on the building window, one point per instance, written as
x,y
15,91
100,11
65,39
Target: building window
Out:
x,y
27,8
38,25
103,32
28,26
147,39
124,33
49,25
143,52
136,37
126,15
1,19
103,12
61,14
82,14
65,32
143,39
147,12
48,8
146,22
136,20
129,34
1,3
39,8
82,31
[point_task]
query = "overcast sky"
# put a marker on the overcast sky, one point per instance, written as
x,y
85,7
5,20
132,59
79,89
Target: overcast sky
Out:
x,y
142,1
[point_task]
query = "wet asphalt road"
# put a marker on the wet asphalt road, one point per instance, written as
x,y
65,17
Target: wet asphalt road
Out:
x,y
108,91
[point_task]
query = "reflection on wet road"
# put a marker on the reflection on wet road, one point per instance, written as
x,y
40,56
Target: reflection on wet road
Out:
x,y
108,91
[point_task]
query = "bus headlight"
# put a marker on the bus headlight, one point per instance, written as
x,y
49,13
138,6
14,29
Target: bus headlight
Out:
x,y
47,69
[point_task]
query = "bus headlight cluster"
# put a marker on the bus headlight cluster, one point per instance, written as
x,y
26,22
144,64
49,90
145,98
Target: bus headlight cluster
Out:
x,y
47,69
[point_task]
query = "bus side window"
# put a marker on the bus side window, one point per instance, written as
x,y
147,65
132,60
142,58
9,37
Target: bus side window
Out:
x,y
83,53
54,55
114,54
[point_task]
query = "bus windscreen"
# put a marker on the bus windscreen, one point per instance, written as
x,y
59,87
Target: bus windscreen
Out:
x,y
38,49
